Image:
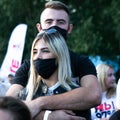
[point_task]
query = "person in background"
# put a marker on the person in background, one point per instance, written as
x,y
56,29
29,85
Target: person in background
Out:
x,y
115,116
106,77
117,75
10,78
13,109
118,95
56,14
4,86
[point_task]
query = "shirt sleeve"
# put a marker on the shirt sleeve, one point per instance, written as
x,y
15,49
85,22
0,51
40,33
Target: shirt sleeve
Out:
x,y
82,65
21,75
86,67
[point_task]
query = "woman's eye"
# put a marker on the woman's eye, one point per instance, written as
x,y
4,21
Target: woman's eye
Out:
x,y
46,51
34,52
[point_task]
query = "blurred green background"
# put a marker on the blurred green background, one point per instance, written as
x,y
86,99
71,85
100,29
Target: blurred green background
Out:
x,y
96,25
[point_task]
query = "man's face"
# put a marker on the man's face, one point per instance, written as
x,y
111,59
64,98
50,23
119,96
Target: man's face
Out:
x,y
52,17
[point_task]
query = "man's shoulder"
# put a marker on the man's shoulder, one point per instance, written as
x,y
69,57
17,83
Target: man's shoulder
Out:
x,y
26,63
25,66
78,57
81,65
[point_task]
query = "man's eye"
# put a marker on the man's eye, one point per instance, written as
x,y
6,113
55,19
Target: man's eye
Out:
x,y
61,22
48,22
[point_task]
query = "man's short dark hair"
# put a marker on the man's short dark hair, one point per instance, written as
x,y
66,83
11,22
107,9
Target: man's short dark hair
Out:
x,y
57,5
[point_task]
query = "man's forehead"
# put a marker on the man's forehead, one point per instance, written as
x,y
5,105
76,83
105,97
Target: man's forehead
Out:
x,y
54,14
51,19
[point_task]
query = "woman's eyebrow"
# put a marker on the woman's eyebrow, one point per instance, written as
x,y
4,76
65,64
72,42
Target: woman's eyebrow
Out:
x,y
45,48
34,49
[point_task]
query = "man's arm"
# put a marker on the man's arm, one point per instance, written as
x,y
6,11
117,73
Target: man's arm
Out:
x,y
85,97
60,115
55,115
14,90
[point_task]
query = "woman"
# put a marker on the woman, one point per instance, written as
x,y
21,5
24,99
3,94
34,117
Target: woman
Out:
x,y
49,65
105,74
50,68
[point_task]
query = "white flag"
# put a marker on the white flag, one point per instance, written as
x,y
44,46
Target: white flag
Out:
x,y
13,58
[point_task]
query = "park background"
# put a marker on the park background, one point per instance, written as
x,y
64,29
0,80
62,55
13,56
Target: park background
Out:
x,y
96,26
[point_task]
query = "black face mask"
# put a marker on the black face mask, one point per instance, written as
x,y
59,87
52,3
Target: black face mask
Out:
x,y
63,32
45,67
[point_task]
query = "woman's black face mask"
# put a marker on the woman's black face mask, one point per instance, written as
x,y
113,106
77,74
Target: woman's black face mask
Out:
x,y
45,67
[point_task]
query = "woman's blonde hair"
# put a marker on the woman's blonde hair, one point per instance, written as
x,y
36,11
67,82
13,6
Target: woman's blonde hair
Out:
x,y
102,71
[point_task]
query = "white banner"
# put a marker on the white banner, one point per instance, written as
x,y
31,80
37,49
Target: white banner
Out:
x,y
13,58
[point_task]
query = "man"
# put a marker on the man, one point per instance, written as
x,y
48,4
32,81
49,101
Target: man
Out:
x,y
83,98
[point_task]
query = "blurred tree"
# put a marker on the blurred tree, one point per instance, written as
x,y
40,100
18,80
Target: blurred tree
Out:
x,y
96,25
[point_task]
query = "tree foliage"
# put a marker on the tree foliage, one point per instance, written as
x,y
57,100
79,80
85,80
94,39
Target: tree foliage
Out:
x,y
96,25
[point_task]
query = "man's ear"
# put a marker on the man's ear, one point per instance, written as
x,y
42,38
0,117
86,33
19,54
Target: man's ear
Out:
x,y
70,27
38,26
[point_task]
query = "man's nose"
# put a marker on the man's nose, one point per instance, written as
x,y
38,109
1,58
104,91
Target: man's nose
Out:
x,y
54,23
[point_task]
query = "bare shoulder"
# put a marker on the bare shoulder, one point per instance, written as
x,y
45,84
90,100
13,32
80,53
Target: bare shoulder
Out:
x,y
89,80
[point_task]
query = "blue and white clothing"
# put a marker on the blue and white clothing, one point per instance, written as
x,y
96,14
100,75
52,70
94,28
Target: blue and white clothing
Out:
x,y
105,109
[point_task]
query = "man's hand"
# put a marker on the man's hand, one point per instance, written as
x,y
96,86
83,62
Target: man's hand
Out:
x,y
64,115
34,108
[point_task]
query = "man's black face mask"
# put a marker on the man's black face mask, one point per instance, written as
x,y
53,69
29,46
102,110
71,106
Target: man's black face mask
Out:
x,y
63,32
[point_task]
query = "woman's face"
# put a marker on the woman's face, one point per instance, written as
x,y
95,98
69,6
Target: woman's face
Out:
x,y
41,50
110,79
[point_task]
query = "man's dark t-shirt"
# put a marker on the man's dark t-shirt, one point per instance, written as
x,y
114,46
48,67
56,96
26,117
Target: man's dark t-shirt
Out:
x,y
80,65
